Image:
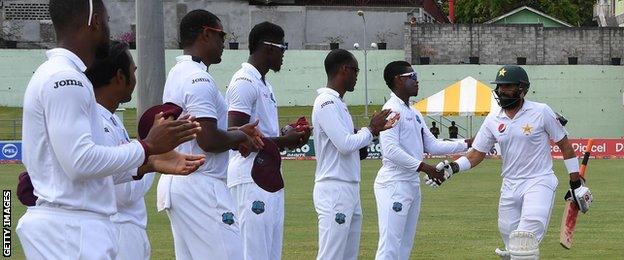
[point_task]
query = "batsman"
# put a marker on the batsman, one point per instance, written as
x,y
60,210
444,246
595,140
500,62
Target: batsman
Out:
x,y
523,129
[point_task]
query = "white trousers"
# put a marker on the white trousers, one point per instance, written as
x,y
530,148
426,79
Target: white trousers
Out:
x,y
398,207
200,208
339,219
261,216
133,242
54,233
525,205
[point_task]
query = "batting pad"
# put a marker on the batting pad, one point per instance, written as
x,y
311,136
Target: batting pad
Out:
x,y
523,245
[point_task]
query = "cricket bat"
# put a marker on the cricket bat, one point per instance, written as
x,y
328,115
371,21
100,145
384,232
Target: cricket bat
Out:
x,y
570,213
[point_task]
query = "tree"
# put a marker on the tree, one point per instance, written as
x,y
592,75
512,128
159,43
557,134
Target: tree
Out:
x,y
575,12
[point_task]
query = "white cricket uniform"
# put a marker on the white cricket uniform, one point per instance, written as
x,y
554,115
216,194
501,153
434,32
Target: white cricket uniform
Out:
x,y
529,182
199,205
131,217
337,179
72,172
397,186
261,212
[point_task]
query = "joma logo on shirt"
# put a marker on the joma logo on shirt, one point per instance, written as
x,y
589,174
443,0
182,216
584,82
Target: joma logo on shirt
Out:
x,y
243,78
327,103
200,80
67,82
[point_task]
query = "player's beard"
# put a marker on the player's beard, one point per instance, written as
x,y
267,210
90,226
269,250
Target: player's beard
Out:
x,y
507,102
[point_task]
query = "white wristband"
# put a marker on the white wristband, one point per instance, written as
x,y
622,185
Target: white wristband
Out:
x,y
463,163
572,165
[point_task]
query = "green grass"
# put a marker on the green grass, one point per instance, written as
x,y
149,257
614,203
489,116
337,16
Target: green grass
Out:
x,y
457,221
11,119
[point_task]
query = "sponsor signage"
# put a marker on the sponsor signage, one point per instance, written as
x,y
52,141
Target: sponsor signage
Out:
x,y
10,151
603,148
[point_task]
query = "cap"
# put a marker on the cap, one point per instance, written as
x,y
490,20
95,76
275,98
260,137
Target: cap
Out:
x,y
147,119
266,167
25,190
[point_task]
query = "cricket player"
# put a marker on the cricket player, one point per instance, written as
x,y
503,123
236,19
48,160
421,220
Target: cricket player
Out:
x,y
250,97
113,80
200,207
71,169
523,129
397,186
337,181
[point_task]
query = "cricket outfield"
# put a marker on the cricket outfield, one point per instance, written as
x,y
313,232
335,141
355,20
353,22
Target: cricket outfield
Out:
x,y
457,221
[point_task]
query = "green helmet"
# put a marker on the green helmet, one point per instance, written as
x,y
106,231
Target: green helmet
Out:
x,y
511,74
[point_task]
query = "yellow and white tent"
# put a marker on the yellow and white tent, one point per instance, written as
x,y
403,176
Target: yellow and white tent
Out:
x,y
467,97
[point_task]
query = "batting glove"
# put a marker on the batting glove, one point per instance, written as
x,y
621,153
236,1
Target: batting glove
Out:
x,y
580,194
449,168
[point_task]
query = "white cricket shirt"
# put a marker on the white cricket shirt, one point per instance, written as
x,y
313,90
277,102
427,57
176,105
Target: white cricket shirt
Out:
x,y
129,195
190,86
402,146
524,140
63,140
336,146
248,94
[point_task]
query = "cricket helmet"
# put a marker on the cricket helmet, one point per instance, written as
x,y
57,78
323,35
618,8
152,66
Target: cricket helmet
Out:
x,y
512,74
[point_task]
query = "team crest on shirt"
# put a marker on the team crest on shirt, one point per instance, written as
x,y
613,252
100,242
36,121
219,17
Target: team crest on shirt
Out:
x,y
228,218
340,218
106,130
257,207
501,128
527,129
397,206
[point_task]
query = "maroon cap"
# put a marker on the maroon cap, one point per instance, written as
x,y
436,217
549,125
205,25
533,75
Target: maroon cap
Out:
x,y
147,119
266,167
25,190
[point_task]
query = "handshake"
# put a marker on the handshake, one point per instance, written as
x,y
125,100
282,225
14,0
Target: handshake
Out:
x,y
443,171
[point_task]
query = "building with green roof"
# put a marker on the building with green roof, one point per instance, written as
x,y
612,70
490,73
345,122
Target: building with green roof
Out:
x,y
528,15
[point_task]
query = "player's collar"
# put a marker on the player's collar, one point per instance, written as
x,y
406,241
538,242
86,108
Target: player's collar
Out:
x,y
328,91
62,52
251,70
396,99
104,112
183,58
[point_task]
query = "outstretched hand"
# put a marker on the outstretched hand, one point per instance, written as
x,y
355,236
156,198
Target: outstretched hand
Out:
x,y
433,177
254,134
392,119
167,133
175,163
383,121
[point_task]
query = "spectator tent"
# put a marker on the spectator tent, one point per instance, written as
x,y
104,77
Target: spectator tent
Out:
x,y
467,97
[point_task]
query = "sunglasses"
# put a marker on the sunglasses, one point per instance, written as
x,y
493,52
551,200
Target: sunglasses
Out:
x,y
222,33
411,75
283,47
356,69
